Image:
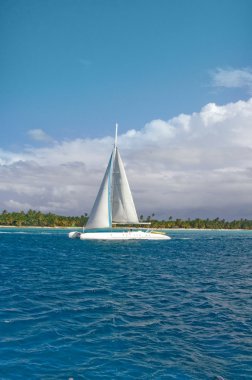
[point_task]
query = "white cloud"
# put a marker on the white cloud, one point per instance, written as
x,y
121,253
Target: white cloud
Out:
x,y
191,165
233,78
39,135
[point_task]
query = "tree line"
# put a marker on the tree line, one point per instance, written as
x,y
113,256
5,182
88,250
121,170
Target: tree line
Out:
x,y
39,219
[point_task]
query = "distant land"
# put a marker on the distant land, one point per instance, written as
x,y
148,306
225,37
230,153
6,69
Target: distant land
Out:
x,y
33,218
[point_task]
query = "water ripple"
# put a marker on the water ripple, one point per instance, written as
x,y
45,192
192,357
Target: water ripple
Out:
x,y
132,310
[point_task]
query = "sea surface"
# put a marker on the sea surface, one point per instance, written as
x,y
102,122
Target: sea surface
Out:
x,y
176,309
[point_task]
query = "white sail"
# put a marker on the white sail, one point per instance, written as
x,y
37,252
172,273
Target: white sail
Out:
x,y
100,216
123,208
114,201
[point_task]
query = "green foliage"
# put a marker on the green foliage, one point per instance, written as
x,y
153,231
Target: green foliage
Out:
x,y
39,219
198,223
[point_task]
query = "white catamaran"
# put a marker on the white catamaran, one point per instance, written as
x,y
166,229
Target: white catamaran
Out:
x,y
114,205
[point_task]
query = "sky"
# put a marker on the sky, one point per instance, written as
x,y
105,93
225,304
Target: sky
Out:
x,y
175,75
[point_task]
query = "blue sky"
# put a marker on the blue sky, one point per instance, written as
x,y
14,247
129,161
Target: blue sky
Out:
x,y
175,75
72,68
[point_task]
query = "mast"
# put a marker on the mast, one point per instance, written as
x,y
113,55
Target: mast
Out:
x,y
116,129
111,178
122,204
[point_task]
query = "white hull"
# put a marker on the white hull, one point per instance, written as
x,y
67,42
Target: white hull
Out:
x,y
126,235
74,235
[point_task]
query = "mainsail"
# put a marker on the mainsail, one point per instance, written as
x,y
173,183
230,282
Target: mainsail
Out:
x,y
114,202
123,208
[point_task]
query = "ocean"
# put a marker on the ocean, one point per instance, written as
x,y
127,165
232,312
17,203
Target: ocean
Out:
x,y
177,309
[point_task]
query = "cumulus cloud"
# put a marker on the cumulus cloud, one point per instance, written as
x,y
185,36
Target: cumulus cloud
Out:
x,y
233,78
191,165
39,135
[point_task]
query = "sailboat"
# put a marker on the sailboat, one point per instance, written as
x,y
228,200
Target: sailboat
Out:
x,y
114,205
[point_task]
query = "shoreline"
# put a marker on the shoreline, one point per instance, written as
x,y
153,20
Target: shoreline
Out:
x,y
163,229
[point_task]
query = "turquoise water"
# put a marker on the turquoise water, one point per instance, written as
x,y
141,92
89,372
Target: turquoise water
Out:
x,y
178,309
